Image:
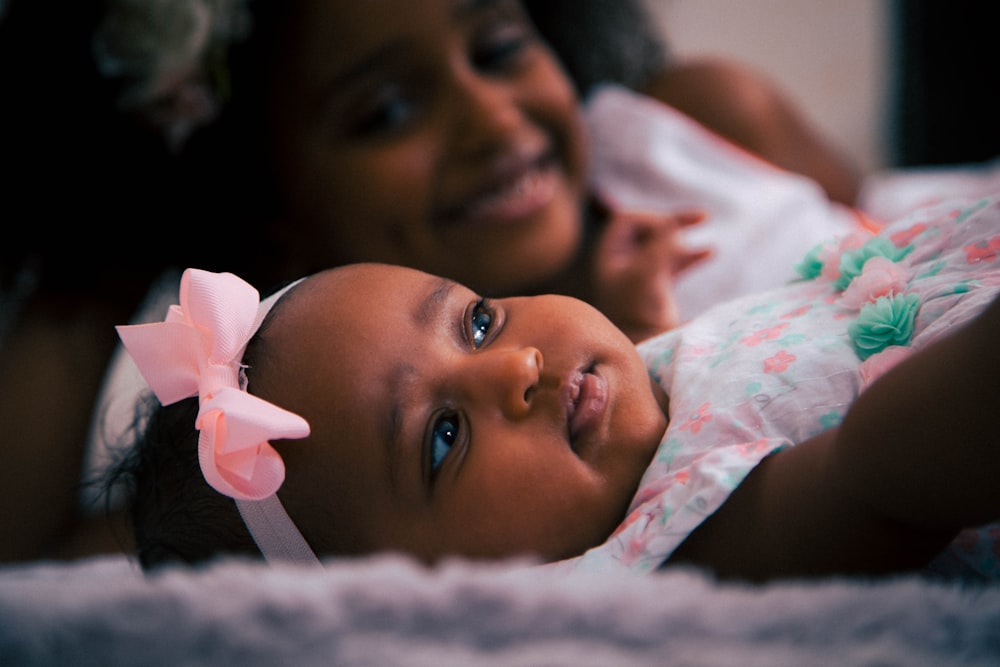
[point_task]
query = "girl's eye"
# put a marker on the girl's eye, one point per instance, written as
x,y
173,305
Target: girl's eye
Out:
x,y
500,51
504,36
480,322
444,434
391,109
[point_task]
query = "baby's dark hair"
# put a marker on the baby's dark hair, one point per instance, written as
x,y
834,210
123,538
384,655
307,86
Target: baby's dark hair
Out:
x,y
176,516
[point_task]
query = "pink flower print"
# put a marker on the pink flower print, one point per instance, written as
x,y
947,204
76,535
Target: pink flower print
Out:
x,y
830,256
798,312
906,236
982,251
700,417
633,516
634,549
635,543
749,448
779,362
880,276
762,335
852,263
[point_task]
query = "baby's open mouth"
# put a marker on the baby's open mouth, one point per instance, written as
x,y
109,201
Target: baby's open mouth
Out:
x,y
588,399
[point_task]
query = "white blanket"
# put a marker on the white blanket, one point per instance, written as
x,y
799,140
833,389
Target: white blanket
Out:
x,y
387,611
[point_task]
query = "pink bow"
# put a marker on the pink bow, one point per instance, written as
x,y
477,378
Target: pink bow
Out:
x,y
197,351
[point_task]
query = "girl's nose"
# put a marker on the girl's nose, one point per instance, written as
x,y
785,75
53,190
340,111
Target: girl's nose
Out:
x,y
506,378
488,114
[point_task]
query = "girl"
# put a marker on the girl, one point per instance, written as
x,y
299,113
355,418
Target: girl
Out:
x,y
443,135
839,425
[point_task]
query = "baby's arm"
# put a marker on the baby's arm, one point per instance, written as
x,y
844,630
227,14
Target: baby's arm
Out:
x,y
916,459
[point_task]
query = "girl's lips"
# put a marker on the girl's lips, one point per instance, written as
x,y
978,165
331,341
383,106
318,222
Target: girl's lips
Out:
x,y
521,193
588,399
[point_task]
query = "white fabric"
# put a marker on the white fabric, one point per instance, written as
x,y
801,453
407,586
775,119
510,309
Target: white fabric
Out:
x,y
761,219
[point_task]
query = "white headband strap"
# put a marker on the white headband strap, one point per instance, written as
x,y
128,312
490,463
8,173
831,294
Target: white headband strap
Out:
x,y
274,532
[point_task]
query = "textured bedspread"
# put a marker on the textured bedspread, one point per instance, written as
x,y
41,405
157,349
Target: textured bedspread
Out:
x,y
386,611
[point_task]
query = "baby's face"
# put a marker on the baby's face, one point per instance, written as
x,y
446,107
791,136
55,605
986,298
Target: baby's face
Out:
x,y
443,424
445,125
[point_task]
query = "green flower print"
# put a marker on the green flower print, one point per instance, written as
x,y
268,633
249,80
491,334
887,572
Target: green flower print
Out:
x,y
811,265
887,321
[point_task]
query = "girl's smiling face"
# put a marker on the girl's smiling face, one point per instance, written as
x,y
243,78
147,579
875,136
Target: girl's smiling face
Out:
x,y
440,134
445,424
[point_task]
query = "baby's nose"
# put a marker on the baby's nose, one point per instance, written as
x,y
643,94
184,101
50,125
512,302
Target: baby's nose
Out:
x,y
509,378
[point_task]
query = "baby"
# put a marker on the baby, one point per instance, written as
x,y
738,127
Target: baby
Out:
x,y
838,425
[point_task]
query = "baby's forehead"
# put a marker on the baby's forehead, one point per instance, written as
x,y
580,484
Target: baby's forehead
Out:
x,y
366,271
354,288
328,283
332,320
340,334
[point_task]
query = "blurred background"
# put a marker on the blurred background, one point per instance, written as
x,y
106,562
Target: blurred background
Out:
x,y
894,82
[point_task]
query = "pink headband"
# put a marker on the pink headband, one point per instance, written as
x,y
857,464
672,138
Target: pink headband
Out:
x,y
198,351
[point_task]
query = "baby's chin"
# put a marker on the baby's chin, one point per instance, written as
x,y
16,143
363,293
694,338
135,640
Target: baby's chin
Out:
x,y
662,400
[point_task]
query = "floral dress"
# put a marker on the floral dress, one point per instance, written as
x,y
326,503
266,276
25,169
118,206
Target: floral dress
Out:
x,y
767,371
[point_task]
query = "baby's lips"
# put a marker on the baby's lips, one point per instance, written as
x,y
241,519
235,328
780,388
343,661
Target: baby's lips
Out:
x,y
589,406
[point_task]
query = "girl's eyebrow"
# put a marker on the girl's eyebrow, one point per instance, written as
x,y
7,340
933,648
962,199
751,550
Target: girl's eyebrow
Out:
x,y
395,51
379,59
466,7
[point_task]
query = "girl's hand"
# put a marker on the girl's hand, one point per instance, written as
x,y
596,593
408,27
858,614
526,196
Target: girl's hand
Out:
x,y
636,260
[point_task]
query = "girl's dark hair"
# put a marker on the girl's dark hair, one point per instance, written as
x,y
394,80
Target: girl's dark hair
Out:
x,y
176,516
80,181
226,171
600,41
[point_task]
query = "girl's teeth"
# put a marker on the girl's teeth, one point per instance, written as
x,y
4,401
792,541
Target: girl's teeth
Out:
x,y
513,192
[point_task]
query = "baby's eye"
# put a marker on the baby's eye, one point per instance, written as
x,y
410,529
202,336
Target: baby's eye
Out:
x,y
480,322
444,434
